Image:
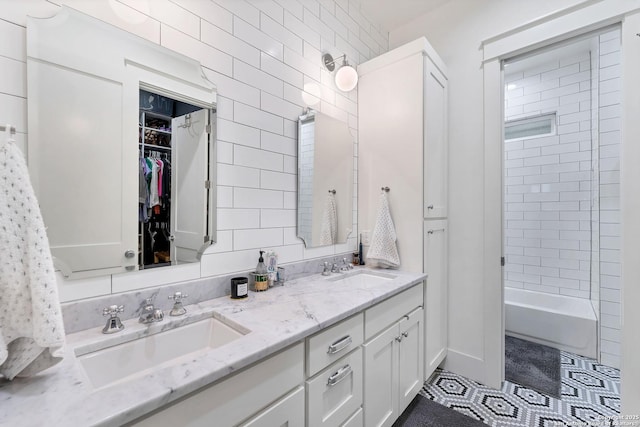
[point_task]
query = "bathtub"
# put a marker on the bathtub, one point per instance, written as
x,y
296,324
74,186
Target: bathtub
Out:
x,y
566,323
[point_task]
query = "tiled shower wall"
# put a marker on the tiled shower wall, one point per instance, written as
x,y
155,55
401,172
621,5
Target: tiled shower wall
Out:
x,y
609,117
548,193
549,199
265,58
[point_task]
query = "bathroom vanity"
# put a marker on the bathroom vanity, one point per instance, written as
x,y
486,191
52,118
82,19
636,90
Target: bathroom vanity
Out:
x,y
340,350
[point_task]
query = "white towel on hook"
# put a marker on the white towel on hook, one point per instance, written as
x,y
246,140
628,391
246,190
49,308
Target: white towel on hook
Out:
x,y
383,251
31,326
329,225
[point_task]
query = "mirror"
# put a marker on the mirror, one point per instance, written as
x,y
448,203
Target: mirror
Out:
x,y
95,114
325,180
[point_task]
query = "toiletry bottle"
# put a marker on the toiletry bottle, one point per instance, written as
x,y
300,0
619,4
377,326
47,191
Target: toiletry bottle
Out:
x,y
360,257
261,268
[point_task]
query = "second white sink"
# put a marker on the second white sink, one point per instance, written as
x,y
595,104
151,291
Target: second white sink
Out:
x,y
363,278
135,358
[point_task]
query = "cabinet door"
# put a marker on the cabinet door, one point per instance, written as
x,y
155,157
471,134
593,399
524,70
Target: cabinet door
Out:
x,y
190,144
435,151
77,169
436,295
381,379
410,358
287,412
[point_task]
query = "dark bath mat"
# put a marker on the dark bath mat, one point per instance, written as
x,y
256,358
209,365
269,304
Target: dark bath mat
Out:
x,y
532,365
423,412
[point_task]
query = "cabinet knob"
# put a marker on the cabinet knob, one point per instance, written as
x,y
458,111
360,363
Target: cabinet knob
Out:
x,y
405,334
430,207
130,253
399,338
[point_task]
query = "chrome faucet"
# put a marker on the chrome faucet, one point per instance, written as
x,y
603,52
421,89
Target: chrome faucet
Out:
x,y
346,266
334,267
149,313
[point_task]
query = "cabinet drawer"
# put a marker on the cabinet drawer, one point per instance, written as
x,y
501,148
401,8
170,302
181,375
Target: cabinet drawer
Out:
x,y
289,412
232,400
335,393
387,312
333,343
356,420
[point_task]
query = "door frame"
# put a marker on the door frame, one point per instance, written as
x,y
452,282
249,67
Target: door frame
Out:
x,y
558,26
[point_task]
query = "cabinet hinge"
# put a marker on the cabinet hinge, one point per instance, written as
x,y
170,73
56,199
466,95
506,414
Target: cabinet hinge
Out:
x,y
208,128
206,239
502,261
207,184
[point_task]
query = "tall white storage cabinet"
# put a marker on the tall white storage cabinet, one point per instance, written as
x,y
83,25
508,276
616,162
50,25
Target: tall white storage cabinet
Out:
x,y
402,122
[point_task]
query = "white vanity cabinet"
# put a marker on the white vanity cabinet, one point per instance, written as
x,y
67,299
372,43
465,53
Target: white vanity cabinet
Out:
x,y
403,132
393,357
361,371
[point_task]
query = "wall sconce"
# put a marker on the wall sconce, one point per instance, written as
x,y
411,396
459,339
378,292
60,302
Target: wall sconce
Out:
x,y
346,77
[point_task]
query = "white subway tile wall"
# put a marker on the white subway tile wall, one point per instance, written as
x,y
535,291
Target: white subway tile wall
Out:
x,y
265,58
549,218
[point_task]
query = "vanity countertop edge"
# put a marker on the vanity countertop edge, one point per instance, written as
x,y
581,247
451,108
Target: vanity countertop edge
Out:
x,y
276,319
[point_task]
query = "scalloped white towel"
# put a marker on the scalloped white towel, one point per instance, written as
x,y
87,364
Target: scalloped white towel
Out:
x,y
329,225
383,251
31,327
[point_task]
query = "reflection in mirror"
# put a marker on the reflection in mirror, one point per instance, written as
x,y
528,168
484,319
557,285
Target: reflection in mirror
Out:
x,y
325,180
90,127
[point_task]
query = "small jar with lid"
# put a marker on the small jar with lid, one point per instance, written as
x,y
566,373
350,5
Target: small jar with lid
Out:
x,y
239,287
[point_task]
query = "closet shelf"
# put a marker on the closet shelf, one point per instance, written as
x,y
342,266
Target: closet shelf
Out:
x,y
154,147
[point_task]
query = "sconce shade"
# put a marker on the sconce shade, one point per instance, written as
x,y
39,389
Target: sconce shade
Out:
x,y
346,78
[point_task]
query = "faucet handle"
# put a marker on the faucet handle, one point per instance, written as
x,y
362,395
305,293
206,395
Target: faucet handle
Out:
x,y
178,309
178,296
326,271
112,310
113,323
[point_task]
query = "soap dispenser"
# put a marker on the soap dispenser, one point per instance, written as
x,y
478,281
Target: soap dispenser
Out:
x,y
260,277
261,268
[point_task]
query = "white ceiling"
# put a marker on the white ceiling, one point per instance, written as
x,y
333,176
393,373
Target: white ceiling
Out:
x,y
392,14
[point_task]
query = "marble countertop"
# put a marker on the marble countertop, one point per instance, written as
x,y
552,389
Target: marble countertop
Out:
x,y
284,315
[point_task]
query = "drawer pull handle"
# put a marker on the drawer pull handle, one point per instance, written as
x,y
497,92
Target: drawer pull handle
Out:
x,y
340,374
339,345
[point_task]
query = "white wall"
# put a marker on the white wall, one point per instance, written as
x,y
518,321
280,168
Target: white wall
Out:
x,y
264,56
456,30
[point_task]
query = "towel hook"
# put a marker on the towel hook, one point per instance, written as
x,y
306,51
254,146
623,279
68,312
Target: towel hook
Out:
x,y
332,191
385,189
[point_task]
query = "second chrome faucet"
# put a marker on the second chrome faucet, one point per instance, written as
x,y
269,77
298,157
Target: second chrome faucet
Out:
x,y
149,313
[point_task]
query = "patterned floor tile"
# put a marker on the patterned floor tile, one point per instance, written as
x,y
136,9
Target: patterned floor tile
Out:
x,y
590,397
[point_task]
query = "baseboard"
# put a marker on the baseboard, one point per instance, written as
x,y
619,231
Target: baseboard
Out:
x,y
468,366
434,363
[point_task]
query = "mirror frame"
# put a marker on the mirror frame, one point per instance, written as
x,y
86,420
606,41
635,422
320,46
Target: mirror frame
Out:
x,y
68,41
342,192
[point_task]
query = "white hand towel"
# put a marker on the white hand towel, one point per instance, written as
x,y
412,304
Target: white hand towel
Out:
x,y
31,326
383,251
329,225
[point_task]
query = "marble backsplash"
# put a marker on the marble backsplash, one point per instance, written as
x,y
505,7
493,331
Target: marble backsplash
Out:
x,y
87,313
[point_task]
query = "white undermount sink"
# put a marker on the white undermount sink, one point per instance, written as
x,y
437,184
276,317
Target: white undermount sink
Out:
x,y
363,278
135,358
